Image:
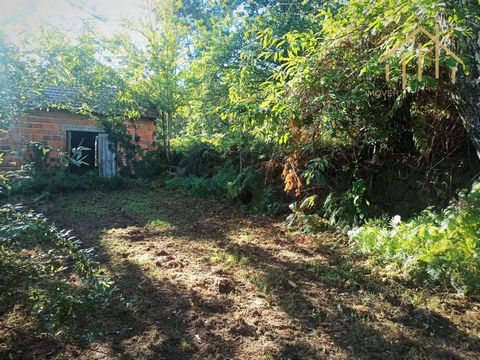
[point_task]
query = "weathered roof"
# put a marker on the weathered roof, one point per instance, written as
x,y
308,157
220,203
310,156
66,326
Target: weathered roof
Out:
x,y
57,95
61,96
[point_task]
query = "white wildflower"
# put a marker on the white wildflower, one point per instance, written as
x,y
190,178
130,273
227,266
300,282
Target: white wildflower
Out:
x,y
354,232
397,219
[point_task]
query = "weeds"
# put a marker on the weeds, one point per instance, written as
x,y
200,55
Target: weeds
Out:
x,y
230,259
157,224
435,248
46,272
55,182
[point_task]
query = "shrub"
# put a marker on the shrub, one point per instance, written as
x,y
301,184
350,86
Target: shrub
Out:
x,y
246,187
153,163
435,248
349,208
45,272
197,158
194,185
61,181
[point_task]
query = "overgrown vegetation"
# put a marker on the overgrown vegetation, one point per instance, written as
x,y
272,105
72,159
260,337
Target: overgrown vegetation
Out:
x,y
54,182
216,168
433,249
314,109
47,275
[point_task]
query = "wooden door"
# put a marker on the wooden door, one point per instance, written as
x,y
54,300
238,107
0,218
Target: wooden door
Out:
x,y
106,157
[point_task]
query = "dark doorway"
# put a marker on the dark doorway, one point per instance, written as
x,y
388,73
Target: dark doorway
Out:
x,y
86,139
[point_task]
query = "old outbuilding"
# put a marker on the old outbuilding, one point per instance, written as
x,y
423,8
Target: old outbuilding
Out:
x,y
64,130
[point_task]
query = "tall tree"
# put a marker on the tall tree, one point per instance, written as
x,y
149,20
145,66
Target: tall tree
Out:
x,y
153,68
22,80
467,90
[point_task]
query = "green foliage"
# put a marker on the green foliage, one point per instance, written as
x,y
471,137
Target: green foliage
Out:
x,y
157,224
341,211
196,185
348,208
197,158
315,171
61,181
153,163
47,273
76,157
245,187
21,83
435,248
230,259
37,154
223,168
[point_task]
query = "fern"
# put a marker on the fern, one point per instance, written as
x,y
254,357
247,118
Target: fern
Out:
x,y
435,248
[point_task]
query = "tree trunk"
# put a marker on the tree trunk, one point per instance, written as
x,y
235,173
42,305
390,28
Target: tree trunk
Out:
x,y
466,91
169,126
165,138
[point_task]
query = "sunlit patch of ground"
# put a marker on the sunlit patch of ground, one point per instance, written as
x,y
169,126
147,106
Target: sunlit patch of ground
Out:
x,y
207,281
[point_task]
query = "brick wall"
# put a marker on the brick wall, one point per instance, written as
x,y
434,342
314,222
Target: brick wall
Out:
x,y
50,128
145,130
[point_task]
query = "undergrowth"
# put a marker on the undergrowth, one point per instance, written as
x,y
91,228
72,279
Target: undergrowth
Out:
x,y
58,181
245,188
434,249
47,275
210,169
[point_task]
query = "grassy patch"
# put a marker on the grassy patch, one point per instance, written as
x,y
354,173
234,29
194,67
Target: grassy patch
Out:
x,y
134,204
337,274
157,224
142,207
84,209
230,259
272,280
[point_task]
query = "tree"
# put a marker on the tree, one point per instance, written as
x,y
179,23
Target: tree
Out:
x,y
467,90
22,81
152,72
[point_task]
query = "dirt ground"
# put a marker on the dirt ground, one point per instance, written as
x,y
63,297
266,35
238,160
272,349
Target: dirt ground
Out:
x,y
209,281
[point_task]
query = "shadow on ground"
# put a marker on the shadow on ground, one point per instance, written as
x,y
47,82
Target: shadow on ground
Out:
x,y
295,297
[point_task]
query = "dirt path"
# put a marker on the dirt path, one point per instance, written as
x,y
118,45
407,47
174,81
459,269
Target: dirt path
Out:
x,y
210,282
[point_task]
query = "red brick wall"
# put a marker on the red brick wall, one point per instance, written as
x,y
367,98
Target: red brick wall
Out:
x,y
145,130
50,128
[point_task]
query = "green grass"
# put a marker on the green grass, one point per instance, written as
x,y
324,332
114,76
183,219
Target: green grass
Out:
x,y
142,207
230,259
134,204
87,210
336,274
185,345
157,224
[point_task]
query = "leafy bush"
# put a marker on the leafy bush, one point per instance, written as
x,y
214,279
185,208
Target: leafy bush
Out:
x,y
61,181
152,163
194,184
46,273
341,211
349,208
435,248
303,221
229,167
197,158
245,187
